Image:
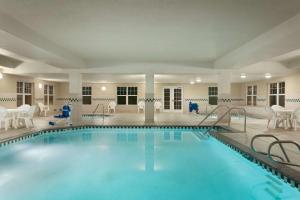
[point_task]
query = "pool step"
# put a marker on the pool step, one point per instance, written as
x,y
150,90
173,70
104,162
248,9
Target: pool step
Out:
x,y
272,188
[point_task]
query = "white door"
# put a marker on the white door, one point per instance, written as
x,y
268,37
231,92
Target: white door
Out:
x,y
172,98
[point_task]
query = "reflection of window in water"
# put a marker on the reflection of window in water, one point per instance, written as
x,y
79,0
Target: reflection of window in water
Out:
x,y
121,137
49,140
166,136
130,137
53,139
86,136
177,135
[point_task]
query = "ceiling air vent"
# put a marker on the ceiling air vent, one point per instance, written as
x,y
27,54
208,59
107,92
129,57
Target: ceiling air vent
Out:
x,y
9,62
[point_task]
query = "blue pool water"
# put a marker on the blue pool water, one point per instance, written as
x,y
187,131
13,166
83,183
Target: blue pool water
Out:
x,y
117,164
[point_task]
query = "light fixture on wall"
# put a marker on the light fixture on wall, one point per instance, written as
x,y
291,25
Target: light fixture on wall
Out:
x,y
1,76
103,88
198,80
192,82
243,75
268,75
40,86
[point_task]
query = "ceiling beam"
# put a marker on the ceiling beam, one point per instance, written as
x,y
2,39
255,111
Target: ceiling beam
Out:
x,y
21,40
280,40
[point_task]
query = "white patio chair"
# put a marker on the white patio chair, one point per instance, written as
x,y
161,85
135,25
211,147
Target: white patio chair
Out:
x,y
279,118
271,117
27,116
157,106
43,108
141,105
112,106
296,118
6,118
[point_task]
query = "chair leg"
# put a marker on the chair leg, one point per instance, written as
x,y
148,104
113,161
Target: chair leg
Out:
x,y
6,124
268,123
27,122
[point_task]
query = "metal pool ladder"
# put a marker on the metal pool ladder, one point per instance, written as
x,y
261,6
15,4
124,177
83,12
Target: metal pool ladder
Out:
x,y
228,112
102,105
286,160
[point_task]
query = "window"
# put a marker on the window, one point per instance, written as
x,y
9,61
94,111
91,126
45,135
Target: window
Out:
x,y
24,93
48,94
121,95
132,95
277,94
212,95
86,95
251,95
127,95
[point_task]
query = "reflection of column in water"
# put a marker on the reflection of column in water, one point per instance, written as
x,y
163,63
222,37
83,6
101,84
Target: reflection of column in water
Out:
x,y
149,152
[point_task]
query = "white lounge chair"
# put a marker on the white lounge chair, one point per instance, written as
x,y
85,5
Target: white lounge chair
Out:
x,y
43,108
112,106
141,105
157,106
27,116
6,118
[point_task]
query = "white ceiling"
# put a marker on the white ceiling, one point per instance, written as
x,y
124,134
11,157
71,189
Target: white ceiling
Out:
x,y
177,31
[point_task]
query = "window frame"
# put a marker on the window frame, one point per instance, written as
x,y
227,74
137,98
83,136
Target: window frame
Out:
x,y
87,92
48,94
24,92
130,91
214,93
252,95
278,91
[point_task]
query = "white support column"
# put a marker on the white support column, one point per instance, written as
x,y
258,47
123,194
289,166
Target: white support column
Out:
x,y
149,98
75,98
224,92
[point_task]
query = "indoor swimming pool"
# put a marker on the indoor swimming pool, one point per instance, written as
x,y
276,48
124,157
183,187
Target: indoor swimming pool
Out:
x,y
132,163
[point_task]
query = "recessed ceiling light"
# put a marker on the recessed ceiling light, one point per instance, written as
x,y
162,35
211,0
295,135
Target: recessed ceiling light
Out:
x,y
243,75
103,88
198,80
192,82
268,75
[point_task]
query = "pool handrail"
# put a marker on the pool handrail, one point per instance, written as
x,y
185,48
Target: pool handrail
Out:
x,y
280,142
210,113
103,111
225,114
269,154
